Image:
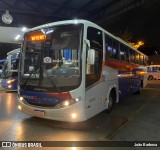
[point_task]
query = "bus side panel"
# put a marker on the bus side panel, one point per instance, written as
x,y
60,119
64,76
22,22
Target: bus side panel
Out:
x,y
97,95
125,86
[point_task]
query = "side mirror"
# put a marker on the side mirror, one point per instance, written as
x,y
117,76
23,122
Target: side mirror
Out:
x,y
91,57
87,43
90,54
9,62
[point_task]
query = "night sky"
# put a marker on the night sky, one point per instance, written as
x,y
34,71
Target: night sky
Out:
x,y
143,23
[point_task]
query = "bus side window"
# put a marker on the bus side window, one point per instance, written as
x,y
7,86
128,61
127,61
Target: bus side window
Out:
x,y
137,58
122,53
109,47
127,54
115,49
141,59
132,55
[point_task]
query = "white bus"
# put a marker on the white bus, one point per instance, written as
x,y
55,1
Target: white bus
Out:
x,y
73,70
9,76
153,72
1,65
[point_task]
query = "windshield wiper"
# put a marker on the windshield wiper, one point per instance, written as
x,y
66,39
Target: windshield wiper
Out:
x,y
32,72
52,82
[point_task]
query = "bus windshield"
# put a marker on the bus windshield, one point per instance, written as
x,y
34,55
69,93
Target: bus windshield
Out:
x,y
51,58
10,71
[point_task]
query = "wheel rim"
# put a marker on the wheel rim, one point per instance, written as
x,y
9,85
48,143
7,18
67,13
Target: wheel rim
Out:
x,y
110,103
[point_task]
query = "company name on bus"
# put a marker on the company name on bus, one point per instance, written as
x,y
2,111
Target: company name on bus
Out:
x,y
41,100
29,97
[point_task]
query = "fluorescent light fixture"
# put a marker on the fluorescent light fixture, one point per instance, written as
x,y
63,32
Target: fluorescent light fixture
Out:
x,y
24,29
17,37
49,31
75,21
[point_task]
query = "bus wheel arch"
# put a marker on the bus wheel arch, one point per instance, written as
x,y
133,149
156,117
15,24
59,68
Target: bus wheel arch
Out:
x,y
150,77
111,99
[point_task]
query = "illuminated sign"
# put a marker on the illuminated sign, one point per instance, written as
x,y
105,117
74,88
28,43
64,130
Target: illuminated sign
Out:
x,y
37,37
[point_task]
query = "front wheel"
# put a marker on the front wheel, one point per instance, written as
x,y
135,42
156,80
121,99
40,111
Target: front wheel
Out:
x,y
111,103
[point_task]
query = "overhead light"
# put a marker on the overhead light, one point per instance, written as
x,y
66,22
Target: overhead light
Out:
x,y
17,37
49,31
24,29
75,21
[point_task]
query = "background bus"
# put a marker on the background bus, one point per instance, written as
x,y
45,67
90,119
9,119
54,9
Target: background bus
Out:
x,y
9,77
1,65
153,72
73,70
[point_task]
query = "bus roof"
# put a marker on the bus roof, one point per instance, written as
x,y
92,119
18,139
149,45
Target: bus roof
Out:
x,y
14,51
153,66
86,22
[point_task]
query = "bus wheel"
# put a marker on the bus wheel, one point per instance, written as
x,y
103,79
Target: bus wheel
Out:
x,y
139,91
150,77
112,100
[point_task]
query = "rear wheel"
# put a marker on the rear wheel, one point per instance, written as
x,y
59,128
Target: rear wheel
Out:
x,y
111,101
150,77
139,91
140,88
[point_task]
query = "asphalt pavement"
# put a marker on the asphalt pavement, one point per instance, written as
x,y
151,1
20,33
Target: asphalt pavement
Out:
x,y
135,119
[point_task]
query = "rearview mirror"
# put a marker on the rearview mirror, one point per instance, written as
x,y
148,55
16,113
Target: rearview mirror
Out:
x,y
9,62
91,57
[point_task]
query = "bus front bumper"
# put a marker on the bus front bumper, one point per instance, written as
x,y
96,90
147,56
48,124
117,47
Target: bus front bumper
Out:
x,y
73,113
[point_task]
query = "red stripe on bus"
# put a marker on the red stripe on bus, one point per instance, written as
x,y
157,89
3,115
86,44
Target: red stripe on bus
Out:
x,y
120,65
65,95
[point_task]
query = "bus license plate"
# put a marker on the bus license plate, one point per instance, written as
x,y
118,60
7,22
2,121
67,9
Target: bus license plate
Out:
x,y
39,113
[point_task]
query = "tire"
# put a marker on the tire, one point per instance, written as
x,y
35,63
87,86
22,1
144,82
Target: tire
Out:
x,y
111,103
140,88
139,91
150,77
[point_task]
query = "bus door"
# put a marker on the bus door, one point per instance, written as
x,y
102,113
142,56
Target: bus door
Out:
x,y
94,57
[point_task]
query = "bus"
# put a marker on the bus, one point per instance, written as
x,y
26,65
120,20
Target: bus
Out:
x,y
1,64
72,70
9,76
153,72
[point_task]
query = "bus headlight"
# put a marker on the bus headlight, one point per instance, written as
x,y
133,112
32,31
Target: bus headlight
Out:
x,y
74,115
10,81
19,107
21,98
9,86
67,103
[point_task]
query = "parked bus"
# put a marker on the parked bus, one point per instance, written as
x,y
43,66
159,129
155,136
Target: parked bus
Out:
x,y
73,70
9,77
153,72
1,64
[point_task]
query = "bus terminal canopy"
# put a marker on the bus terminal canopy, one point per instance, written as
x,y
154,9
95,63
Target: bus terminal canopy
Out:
x,y
8,35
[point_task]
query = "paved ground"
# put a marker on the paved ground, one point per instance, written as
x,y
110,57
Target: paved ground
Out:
x,y
134,119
